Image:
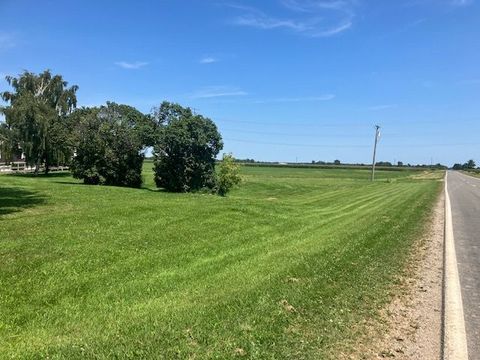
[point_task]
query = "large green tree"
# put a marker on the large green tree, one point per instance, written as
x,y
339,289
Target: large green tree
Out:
x,y
470,164
143,127
108,145
36,117
185,150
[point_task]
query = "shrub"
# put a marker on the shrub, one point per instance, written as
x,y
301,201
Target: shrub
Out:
x,y
228,175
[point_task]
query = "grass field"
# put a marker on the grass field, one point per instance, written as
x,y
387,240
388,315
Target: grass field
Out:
x,y
475,172
288,266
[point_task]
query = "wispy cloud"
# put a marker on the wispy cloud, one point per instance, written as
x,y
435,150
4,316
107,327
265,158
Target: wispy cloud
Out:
x,y
131,65
455,3
427,84
309,5
382,107
470,82
208,60
461,2
217,91
325,97
314,18
7,40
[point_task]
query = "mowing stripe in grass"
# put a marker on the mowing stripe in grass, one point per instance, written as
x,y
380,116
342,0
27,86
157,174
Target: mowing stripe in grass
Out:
x,y
98,272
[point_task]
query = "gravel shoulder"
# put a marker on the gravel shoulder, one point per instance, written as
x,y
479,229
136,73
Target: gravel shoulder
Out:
x,y
411,325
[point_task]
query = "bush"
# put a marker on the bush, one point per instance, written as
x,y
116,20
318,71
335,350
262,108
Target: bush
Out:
x,y
228,175
185,150
108,149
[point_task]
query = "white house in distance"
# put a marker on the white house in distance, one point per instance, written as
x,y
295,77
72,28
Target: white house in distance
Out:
x,y
14,158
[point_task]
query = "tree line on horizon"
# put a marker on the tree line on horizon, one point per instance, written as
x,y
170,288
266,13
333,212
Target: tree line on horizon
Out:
x,y
106,144
469,165
337,162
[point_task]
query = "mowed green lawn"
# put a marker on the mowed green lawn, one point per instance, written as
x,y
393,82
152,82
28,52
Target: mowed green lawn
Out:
x,y
289,265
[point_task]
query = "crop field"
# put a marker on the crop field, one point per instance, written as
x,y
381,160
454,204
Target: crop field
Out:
x,y
289,265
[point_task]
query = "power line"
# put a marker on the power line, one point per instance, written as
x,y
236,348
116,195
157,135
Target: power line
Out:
x,y
327,135
333,123
351,146
296,145
292,134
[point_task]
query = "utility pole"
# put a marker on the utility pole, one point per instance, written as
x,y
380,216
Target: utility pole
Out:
x,y
377,134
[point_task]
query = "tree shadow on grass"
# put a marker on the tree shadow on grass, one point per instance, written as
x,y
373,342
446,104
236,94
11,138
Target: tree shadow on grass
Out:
x,y
41,175
14,199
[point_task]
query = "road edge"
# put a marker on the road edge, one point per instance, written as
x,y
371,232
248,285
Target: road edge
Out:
x,y
454,334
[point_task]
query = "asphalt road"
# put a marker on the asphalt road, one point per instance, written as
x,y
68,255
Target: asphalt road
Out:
x,y
464,194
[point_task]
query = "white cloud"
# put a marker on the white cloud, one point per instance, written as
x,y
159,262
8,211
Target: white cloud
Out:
x,y
382,107
313,5
131,65
461,2
427,84
333,31
265,22
470,82
456,3
314,18
217,91
208,60
325,97
7,40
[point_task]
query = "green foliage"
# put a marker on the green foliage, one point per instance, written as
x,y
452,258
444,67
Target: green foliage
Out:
x,y
108,146
143,126
36,117
228,175
469,165
185,150
8,142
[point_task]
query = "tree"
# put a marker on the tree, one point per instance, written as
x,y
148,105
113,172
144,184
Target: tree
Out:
x,y
143,126
8,143
470,164
383,163
337,162
457,166
38,107
228,175
186,148
108,146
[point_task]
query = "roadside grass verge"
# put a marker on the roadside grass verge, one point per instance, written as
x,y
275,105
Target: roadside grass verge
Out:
x,y
475,172
287,266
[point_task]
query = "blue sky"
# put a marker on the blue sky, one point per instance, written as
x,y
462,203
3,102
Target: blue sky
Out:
x,y
284,80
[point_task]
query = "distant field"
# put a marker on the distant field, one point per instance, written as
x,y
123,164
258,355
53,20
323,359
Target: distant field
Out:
x,y
332,166
287,266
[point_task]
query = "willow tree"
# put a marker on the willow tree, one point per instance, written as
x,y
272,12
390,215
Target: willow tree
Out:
x,y
36,115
